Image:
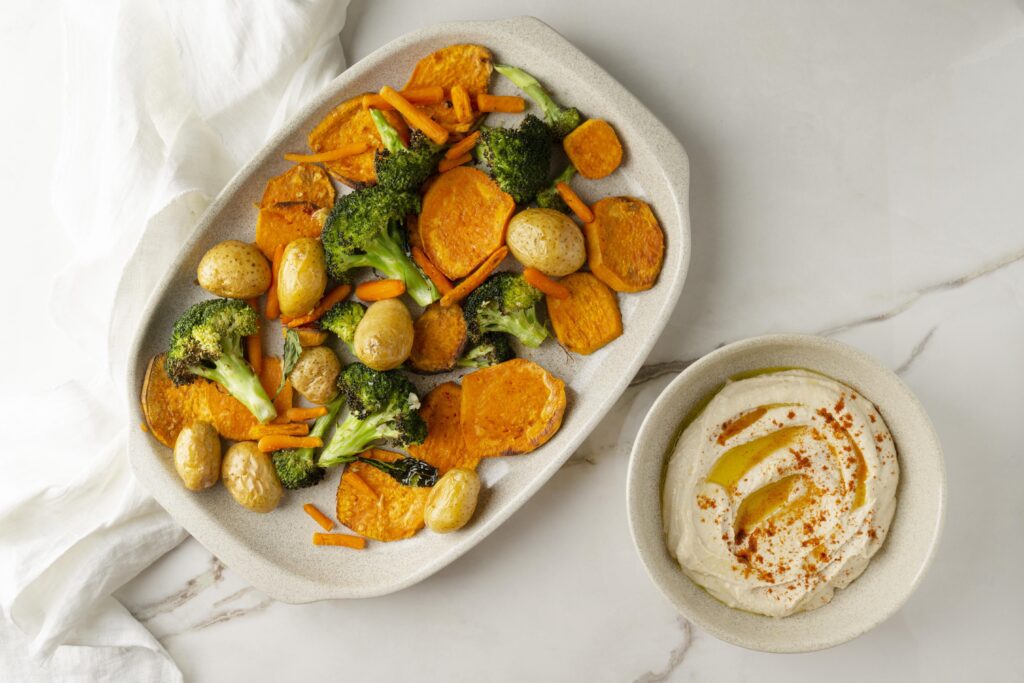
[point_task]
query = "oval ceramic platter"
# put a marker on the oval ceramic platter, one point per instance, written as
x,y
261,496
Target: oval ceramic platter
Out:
x,y
274,551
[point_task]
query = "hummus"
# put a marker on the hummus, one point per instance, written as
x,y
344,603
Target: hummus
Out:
x,y
780,491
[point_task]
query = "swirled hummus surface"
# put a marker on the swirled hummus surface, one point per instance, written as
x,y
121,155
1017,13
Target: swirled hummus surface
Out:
x,y
780,491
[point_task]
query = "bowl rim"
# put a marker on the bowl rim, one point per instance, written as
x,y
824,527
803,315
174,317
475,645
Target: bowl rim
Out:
x,y
649,555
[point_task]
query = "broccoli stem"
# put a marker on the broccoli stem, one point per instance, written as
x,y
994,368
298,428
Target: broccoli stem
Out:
x,y
234,374
387,255
532,87
525,326
565,176
392,140
352,437
406,471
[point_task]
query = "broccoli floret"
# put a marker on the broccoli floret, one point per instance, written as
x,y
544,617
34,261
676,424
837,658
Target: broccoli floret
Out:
x,y
207,342
381,406
401,168
493,348
297,467
519,158
364,230
563,120
549,198
342,319
505,302
406,470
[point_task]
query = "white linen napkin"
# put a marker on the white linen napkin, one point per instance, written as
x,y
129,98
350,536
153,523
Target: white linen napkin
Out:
x,y
163,102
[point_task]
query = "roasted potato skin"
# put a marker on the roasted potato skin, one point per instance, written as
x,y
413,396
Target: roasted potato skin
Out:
x,y
316,373
384,336
302,279
234,270
250,478
197,457
547,240
452,500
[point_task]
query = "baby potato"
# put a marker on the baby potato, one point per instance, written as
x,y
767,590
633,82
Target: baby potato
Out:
x,y
234,270
547,240
452,500
383,339
250,477
302,278
316,373
197,455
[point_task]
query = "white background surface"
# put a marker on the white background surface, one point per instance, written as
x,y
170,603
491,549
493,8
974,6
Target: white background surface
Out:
x,y
856,171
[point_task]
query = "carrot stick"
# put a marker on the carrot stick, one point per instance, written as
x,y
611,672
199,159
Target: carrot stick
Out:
x,y
375,290
323,520
449,164
300,414
545,284
276,442
344,540
463,146
308,336
504,103
259,431
414,117
273,309
428,95
461,104
348,150
476,278
254,343
332,297
443,284
578,206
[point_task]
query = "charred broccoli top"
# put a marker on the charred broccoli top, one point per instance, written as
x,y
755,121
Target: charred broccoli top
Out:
x,y
519,158
402,168
493,348
505,302
342,319
297,467
549,198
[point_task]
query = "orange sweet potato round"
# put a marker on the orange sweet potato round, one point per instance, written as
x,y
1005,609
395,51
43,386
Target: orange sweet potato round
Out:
x,y
510,408
593,148
625,244
438,337
351,123
467,65
589,318
307,183
463,220
444,447
288,221
372,504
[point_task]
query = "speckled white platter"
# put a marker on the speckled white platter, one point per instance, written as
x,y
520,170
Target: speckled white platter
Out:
x,y
273,551
894,572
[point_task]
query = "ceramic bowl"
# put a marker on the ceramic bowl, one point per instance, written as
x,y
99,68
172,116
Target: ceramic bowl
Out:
x,y
894,572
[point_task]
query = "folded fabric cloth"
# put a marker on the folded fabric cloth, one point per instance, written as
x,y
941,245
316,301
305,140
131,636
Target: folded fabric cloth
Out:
x,y
163,103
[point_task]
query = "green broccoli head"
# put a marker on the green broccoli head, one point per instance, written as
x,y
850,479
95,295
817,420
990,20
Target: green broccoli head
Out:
x,y
382,406
364,230
342,319
493,348
519,158
549,198
505,302
562,120
207,342
298,467
407,168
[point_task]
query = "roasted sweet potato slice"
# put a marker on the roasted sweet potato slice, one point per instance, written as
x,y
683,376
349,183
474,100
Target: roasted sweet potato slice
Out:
x,y
589,318
287,221
372,504
463,220
469,66
168,408
444,447
351,123
510,408
625,244
438,337
593,148
306,183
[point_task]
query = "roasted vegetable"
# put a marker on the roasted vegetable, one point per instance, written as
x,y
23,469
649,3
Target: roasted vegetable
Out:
x,y
452,501
505,302
563,120
234,270
401,167
468,66
549,197
302,277
250,478
382,406
197,456
207,342
594,149
374,504
518,158
315,376
589,318
438,338
384,337
444,447
625,244
547,240
493,348
297,467
294,205
351,123
342,319
365,230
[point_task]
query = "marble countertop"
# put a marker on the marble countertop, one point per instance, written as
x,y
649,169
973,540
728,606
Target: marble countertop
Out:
x,y
856,173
